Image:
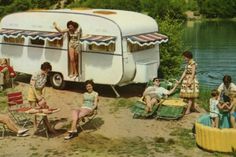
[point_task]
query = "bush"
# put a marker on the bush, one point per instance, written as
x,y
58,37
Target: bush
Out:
x,y
171,52
217,8
162,8
196,13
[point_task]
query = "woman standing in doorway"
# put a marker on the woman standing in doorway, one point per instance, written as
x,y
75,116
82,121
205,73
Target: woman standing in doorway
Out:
x,y
190,86
74,34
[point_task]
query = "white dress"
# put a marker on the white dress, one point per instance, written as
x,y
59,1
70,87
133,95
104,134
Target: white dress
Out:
x,y
214,110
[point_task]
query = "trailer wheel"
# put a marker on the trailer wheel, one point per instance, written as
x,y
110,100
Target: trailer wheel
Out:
x,y
57,81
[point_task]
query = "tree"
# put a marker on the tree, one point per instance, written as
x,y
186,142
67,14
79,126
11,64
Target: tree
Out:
x,y
133,5
21,5
217,8
5,2
171,52
162,8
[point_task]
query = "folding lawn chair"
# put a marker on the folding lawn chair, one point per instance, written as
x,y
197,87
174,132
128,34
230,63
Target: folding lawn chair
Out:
x,y
17,108
171,109
3,129
139,110
88,119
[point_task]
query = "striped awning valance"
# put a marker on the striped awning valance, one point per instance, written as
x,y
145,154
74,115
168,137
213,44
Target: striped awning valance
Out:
x,y
98,40
13,33
147,39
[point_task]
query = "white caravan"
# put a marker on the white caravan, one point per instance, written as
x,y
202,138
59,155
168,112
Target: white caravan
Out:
x,y
118,47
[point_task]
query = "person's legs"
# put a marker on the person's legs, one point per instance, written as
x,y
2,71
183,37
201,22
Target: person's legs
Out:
x,y
71,59
147,99
232,121
77,63
189,105
75,117
153,102
9,123
195,106
212,122
72,55
33,104
217,122
84,112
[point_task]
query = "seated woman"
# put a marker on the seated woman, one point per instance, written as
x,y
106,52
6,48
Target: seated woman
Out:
x,y
90,102
153,93
6,72
5,119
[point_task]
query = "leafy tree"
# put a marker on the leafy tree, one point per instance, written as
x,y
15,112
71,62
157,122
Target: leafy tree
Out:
x,y
162,8
5,2
217,8
43,3
40,3
133,5
2,11
171,52
97,4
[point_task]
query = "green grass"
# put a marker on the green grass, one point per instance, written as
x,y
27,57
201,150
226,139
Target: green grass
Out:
x,y
184,138
98,145
204,96
121,103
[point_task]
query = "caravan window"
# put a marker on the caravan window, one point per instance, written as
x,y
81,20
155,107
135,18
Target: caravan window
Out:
x,y
18,40
55,43
102,48
37,41
137,47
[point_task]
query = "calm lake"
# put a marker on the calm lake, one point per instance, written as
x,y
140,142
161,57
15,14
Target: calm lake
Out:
x,y
213,44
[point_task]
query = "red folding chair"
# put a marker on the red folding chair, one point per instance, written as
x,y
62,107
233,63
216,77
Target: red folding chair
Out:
x,y
17,108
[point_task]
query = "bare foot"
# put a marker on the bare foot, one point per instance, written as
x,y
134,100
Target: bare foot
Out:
x,y
187,112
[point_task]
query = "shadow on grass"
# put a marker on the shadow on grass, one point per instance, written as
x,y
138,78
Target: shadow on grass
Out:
x,y
58,132
92,125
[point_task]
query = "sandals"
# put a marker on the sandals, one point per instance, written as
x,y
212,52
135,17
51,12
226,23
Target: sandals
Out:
x,y
22,135
71,135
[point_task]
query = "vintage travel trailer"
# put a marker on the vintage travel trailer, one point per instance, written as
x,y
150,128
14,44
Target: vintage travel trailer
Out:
x,y
118,47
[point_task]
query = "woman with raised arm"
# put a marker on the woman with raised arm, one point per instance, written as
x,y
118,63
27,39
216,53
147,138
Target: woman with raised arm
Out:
x,y
74,34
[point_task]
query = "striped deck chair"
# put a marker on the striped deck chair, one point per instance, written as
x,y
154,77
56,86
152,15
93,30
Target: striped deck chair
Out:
x,y
172,108
139,110
17,108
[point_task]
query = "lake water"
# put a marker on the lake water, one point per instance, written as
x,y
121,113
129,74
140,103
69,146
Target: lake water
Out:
x,y
213,44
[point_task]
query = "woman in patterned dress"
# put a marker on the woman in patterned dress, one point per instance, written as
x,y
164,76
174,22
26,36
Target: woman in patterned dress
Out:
x,y
74,33
90,102
190,86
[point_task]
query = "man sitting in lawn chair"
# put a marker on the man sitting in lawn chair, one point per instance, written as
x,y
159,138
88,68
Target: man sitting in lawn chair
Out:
x,y
154,93
151,99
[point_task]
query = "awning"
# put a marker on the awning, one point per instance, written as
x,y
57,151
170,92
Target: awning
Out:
x,y
98,40
10,33
31,34
147,39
